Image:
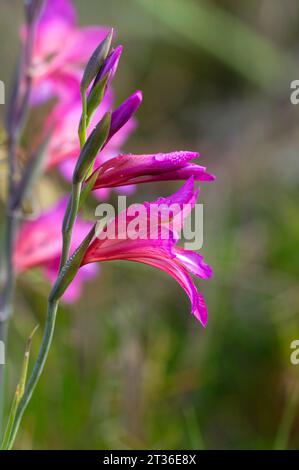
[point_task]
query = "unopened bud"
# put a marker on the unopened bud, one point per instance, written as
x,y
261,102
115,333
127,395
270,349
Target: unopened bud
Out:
x,y
95,62
110,65
125,111
93,145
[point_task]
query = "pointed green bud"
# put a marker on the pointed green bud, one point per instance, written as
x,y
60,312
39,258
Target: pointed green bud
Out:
x,y
70,269
96,61
93,145
96,97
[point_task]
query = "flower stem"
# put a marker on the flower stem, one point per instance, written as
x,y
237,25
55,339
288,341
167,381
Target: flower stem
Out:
x,y
36,373
69,222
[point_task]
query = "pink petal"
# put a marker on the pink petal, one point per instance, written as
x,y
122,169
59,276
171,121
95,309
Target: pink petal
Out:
x,y
63,84
55,24
193,262
126,169
39,241
198,306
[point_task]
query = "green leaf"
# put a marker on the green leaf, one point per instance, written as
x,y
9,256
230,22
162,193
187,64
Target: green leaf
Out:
x,y
94,100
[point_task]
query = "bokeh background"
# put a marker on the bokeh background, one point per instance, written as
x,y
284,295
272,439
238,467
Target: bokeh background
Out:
x,y
130,367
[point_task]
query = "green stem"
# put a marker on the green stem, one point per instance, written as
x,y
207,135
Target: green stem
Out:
x,y
83,122
69,222
70,219
36,373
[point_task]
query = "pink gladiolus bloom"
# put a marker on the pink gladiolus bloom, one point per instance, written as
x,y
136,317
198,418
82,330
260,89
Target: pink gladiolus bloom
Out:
x,y
39,245
161,251
135,169
61,51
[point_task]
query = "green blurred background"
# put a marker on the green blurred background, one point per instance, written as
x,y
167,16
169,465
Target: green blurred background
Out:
x,y
130,367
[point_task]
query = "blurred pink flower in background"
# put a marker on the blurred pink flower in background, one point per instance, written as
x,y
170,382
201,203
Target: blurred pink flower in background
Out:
x,y
39,244
61,51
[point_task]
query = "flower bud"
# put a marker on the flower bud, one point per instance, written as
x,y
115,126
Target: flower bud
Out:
x,y
93,145
110,65
95,62
95,97
124,112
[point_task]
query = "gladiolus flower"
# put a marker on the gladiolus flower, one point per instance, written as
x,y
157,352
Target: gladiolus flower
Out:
x,y
133,169
39,244
161,251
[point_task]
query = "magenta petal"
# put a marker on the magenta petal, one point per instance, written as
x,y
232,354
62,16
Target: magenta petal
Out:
x,y
67,167
124,112
198,172
58,10
119,139
198,306
63,85
135,169
155,248
193,262
57,20
185,195
102,194
39,241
